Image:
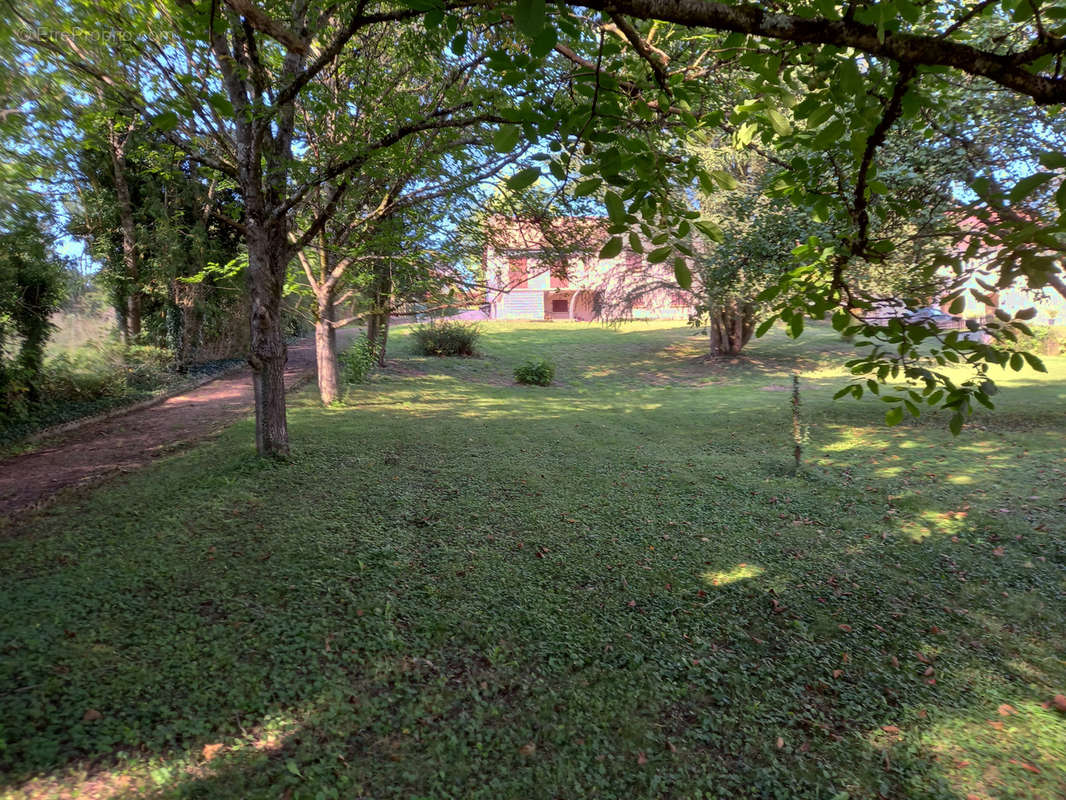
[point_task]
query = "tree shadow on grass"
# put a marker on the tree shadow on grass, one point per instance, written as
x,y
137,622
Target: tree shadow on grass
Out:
x,y
401,612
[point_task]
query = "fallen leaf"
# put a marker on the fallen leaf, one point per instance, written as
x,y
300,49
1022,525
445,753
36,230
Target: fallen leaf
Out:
x,y
845,628
211,750
837,673
1059,702
996,724
928,671
671,746
641,758
890,729
1028,767
91,715
528,749
998,551
1006,710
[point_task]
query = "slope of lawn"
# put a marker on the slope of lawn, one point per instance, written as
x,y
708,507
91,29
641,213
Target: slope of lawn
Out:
x,y
614,587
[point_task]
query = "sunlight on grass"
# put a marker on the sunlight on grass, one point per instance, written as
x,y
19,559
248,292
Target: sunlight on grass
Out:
x,y
461,587
738,573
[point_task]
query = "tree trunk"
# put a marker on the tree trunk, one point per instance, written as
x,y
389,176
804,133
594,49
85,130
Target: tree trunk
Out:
x,y
383,339
326,351
267,257
129,240
729,328
381,298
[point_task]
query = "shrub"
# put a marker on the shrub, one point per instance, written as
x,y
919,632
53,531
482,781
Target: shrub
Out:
x,y
446,339
358,361
535,373
1046,340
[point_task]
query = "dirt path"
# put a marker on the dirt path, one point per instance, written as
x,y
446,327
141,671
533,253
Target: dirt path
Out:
x,y
128,441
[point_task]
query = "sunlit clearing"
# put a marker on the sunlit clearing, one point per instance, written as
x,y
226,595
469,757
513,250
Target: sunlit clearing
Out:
x,y
738,573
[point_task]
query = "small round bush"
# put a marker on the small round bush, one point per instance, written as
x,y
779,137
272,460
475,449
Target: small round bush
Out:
x,y
446,338
535,373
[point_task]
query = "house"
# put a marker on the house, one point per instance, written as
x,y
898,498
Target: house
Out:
x,y
552,271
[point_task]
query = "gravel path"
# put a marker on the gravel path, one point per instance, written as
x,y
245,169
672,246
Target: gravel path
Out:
x,y
99,450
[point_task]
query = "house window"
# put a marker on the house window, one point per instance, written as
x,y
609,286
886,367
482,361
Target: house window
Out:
x,y
517,272
560,306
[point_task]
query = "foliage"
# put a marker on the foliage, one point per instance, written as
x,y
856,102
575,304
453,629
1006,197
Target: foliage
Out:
x,y
446,338
358,361
535,373
101,376
32,282
619,585
188,291
1048,340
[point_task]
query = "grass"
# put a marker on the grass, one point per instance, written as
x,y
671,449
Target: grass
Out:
x,y
612,587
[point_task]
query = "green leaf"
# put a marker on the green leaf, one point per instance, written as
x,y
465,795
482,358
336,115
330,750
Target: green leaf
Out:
x,y
894,415
1053,160
529,16
780,124
724,179
659,255
1026,186
710,230
523,179
612,248
1034,362
1017,362
221,104
167,121
544,42
682,273
616,209
459,43
1025,313
849,78
765,326
958,305
956,425
635,244
587,187
506,138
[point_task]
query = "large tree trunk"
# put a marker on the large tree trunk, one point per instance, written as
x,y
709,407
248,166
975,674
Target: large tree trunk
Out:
x,y
730,327
129,240
267,258
326,350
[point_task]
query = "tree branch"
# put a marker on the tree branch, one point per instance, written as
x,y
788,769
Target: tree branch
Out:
x,y
1009,70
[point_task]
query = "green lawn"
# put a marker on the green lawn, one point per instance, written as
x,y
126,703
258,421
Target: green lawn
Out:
x,y
614,587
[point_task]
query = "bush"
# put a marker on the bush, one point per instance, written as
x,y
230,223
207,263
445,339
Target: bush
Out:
x,y
447,339
358,361
1046,340
535,373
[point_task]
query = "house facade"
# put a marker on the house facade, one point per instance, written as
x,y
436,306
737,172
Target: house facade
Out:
x,y
553,272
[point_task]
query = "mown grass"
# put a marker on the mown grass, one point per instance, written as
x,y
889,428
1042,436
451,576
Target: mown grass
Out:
x,y
614,587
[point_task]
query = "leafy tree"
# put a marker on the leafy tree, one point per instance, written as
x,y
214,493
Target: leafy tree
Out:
x,y
32,280
152,224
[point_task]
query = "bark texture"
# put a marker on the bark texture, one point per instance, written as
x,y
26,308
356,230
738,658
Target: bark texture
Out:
x,y
326,351
730,327
131,319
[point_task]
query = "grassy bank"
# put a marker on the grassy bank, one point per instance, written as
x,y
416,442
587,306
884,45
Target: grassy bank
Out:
x,y
612,587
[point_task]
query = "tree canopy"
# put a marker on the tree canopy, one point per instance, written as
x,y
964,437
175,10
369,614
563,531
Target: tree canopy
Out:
x,y
608,97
